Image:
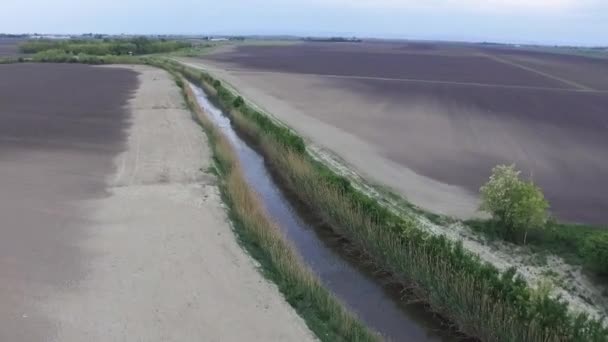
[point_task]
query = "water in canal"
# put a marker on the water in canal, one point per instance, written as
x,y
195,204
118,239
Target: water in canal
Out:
x,y
347,278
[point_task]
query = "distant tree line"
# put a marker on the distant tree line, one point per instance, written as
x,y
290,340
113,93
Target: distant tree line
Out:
x,y
8,35
334,40
519,207
107,46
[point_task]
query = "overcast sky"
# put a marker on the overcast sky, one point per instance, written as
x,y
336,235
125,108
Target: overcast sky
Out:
x,y
582,22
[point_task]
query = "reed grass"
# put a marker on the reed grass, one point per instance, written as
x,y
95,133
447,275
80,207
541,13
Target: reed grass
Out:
x,y
323,313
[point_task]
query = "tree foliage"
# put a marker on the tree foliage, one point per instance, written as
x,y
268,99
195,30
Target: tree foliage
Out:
x,y
136,46
516,204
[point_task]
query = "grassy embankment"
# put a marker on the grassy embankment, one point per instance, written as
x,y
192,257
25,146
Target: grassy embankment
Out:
x,y
482,301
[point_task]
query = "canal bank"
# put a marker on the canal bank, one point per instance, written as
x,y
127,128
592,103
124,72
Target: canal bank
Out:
x,y
372,296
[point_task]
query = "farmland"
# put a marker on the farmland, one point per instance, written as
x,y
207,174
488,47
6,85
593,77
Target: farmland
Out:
x,y
432,136
52,155
9,47
110,229
430,120
376,228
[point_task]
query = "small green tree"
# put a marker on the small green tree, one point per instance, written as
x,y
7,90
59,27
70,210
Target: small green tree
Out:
x,y
516,204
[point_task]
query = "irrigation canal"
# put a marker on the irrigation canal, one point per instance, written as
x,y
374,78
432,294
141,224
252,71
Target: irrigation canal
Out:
x,y
368,294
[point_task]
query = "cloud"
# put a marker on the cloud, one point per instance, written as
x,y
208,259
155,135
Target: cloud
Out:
x,y
538,6
549,5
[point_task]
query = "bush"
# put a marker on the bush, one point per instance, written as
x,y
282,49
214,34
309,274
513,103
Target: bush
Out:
x,y
516,204
179,82
238,102
595,252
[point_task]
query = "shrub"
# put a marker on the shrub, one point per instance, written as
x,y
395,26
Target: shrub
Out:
x,y
238,102
516,204
595,252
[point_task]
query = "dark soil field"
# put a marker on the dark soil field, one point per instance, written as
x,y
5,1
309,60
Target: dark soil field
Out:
x,y
589,72
9,47
450,112
369,60
60,127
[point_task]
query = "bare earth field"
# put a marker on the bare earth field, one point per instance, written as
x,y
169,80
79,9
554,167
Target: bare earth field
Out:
x,y
431,120
110,230
9,47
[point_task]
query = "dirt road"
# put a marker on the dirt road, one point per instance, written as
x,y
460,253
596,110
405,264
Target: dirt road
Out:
x,y
154,257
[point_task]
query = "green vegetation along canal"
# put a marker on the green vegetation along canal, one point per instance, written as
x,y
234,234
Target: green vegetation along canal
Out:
x,y
374,299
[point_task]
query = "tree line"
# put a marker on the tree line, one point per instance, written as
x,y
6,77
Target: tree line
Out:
x,y
135,46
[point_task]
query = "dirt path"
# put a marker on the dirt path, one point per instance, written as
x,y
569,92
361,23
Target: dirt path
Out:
x,y
159,259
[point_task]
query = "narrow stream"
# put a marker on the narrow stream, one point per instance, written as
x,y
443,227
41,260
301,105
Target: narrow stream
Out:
x,y
350,281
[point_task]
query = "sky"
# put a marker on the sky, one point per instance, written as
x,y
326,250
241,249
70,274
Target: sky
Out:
x,y
563,22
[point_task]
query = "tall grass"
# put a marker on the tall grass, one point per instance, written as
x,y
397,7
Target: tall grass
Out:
x,y
480,300
264,240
